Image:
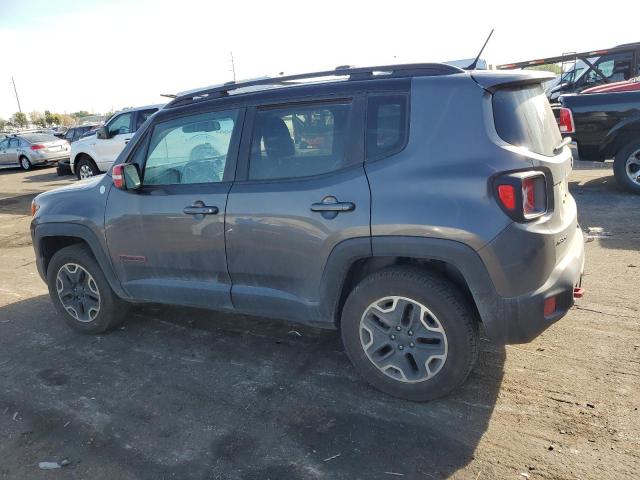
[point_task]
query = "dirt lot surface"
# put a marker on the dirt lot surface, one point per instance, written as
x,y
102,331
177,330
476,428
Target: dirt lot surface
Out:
x,y
189,394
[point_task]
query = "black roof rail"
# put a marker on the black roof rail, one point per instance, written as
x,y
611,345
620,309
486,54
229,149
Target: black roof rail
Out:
x,y
354,73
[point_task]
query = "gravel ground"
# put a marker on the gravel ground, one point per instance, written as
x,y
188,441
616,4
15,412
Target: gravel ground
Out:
x,y
190,394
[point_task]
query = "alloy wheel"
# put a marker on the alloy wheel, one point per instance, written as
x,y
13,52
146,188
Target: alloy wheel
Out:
x,y
403,339
78,292
632,167
85,171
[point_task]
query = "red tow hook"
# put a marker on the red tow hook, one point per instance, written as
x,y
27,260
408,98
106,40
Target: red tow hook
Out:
x,y
578,292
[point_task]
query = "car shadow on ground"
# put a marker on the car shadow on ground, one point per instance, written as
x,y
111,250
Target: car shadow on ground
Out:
x,y
601,205
197,394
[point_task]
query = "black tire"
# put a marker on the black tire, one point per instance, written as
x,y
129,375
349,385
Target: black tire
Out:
x,y
86,162
441,298
25,164
620,167
112,310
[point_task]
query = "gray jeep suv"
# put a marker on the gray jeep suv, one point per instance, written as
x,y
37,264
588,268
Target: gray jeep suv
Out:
x,y
404,205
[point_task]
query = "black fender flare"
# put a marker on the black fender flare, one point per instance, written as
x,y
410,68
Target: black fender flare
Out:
x,y
85,234
457,254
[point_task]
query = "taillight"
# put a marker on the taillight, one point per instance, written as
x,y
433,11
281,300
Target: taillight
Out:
x,y
522,195
566,121
37,147
117,176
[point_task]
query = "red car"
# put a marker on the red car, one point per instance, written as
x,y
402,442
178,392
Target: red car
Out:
x,y
631,85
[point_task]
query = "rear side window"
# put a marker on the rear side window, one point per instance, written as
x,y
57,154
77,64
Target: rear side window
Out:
x,y
299,141
523,117
387,125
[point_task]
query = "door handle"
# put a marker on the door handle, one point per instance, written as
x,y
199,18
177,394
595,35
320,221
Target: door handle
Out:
x,y
126,140
333,207
199,208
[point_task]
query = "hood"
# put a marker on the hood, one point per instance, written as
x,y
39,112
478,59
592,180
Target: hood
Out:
x,y
80,185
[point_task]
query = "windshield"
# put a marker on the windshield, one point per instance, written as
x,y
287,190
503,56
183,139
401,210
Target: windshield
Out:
x,y
524,118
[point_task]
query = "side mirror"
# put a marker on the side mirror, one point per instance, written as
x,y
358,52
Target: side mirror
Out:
x,y
102,133
126,176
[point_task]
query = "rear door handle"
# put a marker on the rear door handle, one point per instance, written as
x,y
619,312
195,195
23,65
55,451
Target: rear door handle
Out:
x,y
199,208
126,140
333,207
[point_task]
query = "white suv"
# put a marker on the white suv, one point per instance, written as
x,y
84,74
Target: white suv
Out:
x,y
96,153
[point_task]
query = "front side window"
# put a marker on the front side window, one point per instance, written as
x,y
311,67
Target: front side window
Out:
x,y
69,134
120,124
13,143
299,141
386,125
143,115
190,150
4,144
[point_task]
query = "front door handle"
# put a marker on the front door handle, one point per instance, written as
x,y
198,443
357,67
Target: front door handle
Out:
x,y
126,140
199,208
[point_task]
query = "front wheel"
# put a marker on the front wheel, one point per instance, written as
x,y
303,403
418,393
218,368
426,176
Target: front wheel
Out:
x,y
81,293
626,167
410,333
25,164
86,168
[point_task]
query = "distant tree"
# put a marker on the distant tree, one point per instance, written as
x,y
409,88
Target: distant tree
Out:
x,y
80,114
37,118
549,67
63,119
19,119
48,118
3,123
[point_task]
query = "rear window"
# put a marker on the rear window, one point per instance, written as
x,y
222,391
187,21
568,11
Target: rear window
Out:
x,y
524,118
40,138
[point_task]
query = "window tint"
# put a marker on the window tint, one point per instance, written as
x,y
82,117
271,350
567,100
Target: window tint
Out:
x,y
524,118
190,149
4,144
143,115
69,134
299,141
13,143
386,125
120,124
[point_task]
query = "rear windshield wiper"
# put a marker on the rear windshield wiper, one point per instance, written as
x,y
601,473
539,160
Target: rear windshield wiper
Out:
x,y
565,141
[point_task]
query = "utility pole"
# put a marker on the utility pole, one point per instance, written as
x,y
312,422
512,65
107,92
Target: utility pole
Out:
x,y
15,90
233,68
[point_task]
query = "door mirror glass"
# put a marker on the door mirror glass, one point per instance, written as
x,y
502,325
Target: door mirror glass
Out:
x,y
102,133
131,174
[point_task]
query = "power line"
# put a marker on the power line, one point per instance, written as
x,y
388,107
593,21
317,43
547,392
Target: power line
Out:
x,y
233,68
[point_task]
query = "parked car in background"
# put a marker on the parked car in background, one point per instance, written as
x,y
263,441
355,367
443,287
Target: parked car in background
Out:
x,y
96,152
71,135
326,203
30,149
605,125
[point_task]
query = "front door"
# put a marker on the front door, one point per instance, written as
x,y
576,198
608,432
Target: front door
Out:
x,y
120,132
4,157
167,238
304,191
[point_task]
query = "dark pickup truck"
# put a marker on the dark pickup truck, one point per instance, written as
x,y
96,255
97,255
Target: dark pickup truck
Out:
x,y
604,126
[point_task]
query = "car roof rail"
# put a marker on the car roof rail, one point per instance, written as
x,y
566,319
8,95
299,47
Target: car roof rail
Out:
x,y
352,73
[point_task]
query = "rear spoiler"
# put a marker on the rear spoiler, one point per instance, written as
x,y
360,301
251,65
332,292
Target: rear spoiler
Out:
x,y
492,80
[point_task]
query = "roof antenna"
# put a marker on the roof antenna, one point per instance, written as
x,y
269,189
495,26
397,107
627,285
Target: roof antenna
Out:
x,y
475,62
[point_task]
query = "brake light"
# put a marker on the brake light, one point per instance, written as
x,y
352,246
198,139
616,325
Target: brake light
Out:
x,y
522,195
566,121
507,195
117,176
37,147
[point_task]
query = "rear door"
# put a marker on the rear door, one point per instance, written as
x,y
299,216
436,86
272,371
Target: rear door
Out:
x,y
301,191
11,152
4,157
166,239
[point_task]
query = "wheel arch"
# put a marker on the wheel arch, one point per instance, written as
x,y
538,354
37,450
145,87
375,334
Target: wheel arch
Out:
x,y
351,261
51,238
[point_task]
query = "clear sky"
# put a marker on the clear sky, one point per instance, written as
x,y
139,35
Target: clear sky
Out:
x,y
95,55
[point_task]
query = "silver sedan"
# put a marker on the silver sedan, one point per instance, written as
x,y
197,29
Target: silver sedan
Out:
x,y
31,149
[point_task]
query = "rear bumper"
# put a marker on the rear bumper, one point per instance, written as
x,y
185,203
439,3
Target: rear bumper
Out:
x,y
51,159
521,319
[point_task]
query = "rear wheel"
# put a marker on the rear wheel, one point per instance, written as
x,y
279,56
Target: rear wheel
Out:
x,y
626,167
86,168
25,163
410,333
81,293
